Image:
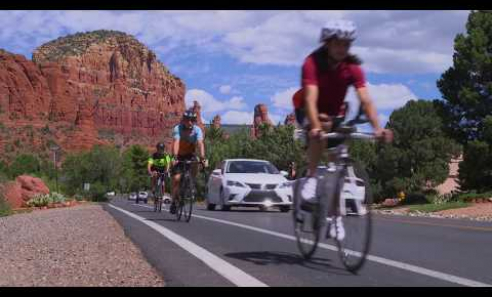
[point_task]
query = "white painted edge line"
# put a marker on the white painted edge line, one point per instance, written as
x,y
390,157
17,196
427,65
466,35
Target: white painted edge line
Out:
x,y
401,265
225,269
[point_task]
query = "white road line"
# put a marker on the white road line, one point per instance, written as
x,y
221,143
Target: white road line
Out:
x,y
230,272
409,267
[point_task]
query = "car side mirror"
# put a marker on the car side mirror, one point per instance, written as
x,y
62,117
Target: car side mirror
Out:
x,y
216,172
284,173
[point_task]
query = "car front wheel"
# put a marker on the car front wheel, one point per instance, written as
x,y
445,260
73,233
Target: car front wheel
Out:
x,y
223,207
210,206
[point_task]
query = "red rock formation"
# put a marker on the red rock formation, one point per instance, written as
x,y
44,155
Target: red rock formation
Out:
x,y
216,122
260,118
290,119
87,89
197,109
23,189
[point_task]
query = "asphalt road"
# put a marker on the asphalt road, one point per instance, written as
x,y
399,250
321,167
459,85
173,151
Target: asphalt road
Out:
x,y
246,247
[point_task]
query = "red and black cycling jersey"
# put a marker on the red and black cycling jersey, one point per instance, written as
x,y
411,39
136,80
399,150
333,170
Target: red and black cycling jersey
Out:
x,y
332,84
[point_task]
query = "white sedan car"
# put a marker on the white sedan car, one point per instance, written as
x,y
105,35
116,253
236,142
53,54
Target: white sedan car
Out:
x,y
248,182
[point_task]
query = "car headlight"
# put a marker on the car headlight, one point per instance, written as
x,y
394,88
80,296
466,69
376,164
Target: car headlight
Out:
x,y
235,184
284,185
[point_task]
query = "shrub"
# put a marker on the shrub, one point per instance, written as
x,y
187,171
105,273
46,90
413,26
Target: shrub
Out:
x,y
5,209
24,164
416,198
57,197
445,198
4,206
467,197
39,200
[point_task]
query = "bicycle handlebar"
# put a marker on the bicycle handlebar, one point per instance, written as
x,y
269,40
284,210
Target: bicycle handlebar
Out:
x,y
356,135
189,161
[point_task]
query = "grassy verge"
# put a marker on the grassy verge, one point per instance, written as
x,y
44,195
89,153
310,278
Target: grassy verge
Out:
x,y
5,209
437,207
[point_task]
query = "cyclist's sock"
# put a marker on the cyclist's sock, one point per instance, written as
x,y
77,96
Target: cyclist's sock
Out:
x,y
337,230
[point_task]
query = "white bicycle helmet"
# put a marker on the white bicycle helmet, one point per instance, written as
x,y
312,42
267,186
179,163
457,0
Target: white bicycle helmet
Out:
x,y
341,29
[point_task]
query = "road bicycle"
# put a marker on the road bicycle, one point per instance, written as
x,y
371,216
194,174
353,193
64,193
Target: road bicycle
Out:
x,y
343,196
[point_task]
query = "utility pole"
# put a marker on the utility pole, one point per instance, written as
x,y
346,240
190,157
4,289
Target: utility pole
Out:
x,y
55,148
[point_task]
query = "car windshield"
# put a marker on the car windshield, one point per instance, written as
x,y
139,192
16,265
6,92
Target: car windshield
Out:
x,y
251,167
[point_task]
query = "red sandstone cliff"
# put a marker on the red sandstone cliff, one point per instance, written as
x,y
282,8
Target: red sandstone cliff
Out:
x,y
86,89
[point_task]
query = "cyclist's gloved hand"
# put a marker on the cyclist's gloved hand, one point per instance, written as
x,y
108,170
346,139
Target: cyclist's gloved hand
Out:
x,y
384,134
315,133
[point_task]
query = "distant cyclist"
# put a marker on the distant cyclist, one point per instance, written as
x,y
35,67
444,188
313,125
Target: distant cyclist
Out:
x,y
187,137
160,161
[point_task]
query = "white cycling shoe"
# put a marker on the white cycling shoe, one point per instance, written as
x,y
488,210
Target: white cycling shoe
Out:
x,y
337,230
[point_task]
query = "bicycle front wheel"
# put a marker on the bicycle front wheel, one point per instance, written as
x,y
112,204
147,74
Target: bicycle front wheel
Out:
x,y
307,227
158,197
188,205
355,217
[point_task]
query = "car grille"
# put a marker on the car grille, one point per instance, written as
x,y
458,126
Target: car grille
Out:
x,y
261,196
271,186
255,186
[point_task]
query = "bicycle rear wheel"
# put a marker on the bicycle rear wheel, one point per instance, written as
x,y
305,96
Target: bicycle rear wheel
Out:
x,y
158,196
182,196
357,220
161,197
307,227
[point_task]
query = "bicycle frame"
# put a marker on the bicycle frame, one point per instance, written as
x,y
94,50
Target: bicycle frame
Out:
x,y
342,160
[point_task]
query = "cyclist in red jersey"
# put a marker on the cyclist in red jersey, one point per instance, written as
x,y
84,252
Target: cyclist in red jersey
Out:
x,y
327,73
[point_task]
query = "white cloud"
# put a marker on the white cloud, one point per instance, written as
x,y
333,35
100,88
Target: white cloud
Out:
x,y
243,117
225,89
210,104
283,99
277,118
237,117
384,60
389,41
383,118
384,96
236,102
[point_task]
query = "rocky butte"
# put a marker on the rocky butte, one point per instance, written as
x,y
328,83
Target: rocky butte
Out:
x,y
85,89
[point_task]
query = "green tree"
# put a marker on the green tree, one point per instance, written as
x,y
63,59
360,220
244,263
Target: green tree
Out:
x,y
4,170
101,167
24,164
277,145
467,85
419,156
135,174
467,92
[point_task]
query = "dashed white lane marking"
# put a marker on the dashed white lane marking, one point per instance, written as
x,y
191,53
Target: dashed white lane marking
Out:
x,y
409,267
230,272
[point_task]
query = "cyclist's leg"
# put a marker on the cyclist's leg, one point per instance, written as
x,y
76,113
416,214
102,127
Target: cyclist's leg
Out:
x,y
194,170
176,178
154,183
316,146
315,152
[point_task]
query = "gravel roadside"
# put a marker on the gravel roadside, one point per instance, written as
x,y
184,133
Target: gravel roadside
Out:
x,y
77,246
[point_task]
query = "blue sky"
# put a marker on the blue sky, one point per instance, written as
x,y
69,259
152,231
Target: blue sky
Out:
x,y
232,60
